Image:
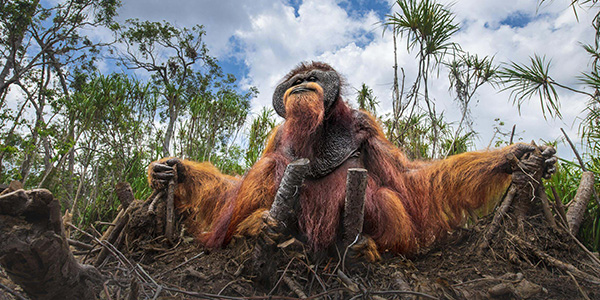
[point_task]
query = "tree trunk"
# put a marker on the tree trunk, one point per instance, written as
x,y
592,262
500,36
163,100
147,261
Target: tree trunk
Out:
x,y
354,206
170,126
582,198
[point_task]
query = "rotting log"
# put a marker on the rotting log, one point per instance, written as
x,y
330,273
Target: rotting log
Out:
x,y
354,205
582,198
34,251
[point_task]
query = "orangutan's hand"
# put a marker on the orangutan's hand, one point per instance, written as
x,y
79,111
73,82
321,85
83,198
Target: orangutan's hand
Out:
x,y
161,172
547,153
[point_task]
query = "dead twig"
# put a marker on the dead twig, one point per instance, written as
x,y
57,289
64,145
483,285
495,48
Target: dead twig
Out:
x,y
559,206
294,286
347,281
79,244
395,292
512,134
282,275
321,282
158,291
181,264
154,198
585,296
113,236
106,293
594,258
566,267
213,296
10,291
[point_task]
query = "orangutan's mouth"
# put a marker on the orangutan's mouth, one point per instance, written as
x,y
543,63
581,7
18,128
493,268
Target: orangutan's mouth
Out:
x,y
302,89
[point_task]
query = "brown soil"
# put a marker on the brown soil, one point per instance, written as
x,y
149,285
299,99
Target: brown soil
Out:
x,y
452,269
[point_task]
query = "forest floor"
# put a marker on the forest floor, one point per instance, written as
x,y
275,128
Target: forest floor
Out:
x,y
452,269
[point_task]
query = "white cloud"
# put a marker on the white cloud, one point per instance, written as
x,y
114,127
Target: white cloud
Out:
x,y
274,37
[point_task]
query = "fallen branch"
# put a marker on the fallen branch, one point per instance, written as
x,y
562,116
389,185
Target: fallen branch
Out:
x,y
181,264
79,244
294,286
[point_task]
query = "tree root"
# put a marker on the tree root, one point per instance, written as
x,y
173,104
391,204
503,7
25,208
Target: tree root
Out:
x,y
35,253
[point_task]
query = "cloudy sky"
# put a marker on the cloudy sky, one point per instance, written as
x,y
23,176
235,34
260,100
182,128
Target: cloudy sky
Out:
x,y
261,40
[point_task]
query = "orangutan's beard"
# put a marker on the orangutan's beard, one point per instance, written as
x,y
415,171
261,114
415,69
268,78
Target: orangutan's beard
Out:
x,y
304,115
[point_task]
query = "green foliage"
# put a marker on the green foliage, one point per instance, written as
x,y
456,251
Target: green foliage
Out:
x,y
260,128
366,100
526,81
427,25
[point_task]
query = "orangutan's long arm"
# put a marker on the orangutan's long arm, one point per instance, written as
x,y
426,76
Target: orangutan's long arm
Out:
x,y
205,195
411,203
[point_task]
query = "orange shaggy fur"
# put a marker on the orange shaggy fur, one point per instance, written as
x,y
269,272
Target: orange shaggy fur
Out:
x,y
409,204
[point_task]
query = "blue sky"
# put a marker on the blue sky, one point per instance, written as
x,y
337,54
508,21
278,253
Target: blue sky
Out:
x,y
259,41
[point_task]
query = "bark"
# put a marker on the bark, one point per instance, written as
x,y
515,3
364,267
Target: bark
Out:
x,y
170,127
170,211
354,206
35,253
14,43
582,198
283,208
541,194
